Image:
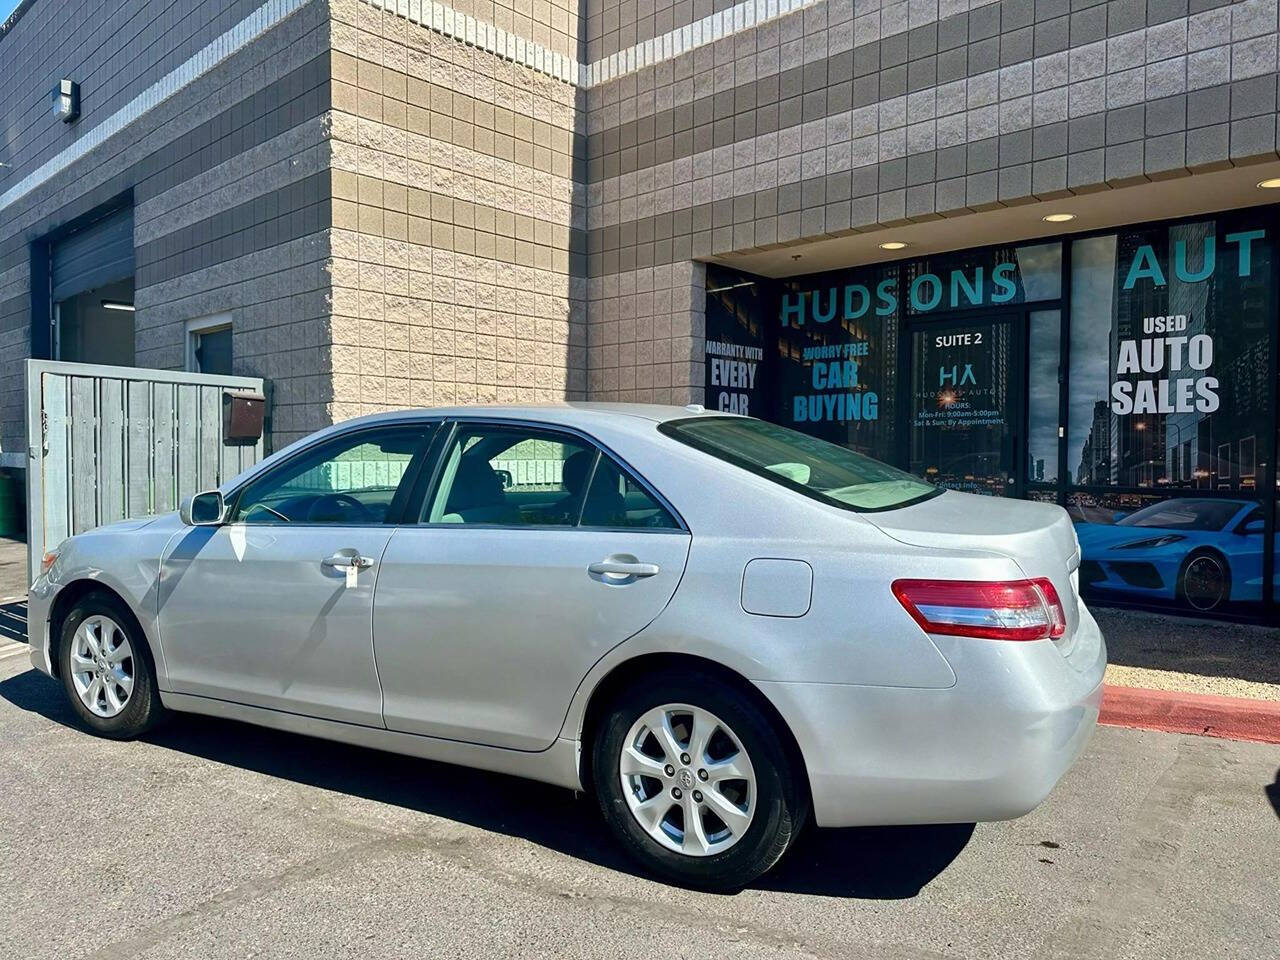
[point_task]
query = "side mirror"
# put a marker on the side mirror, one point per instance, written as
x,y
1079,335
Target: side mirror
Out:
x,y
1254,526
203,509
1118,516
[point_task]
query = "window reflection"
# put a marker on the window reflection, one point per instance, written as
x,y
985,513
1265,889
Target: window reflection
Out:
x,y
1044,336
1179,396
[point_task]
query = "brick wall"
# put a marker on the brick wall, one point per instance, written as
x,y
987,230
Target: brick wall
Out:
x,y
856,115
459,215
394,216
228,178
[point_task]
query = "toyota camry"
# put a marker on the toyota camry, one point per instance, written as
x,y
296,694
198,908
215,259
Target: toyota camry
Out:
x,y
720,627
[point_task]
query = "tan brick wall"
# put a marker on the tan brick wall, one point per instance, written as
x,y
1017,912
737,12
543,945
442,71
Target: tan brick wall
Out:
x,y
454,210
645,340
555,24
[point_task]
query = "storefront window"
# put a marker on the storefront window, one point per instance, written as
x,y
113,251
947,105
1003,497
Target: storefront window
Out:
x,y
992,277
1044,336
1170,338
738,308
1133,385
1178,398
837,363
1198,553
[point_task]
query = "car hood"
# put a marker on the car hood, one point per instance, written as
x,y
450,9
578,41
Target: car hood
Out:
x,y
126,526
1108,534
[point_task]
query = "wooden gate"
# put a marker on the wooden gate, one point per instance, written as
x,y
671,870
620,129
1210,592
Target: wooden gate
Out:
x,y
113,443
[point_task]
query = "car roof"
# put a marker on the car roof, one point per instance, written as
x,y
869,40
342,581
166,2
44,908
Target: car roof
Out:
x,y
569,412
632,418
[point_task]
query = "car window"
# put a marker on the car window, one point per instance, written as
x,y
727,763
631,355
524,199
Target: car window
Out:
x,y
511,476
808,465
616,499
349,480
1207,515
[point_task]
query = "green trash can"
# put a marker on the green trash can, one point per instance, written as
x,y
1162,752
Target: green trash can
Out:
x,y
13,521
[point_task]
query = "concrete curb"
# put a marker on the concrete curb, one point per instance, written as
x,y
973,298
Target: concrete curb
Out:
x,y
1231,718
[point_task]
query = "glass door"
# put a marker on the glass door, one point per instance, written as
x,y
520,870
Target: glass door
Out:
x,y
964,404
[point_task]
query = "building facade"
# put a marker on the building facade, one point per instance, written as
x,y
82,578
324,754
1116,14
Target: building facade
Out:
x,y
1018,246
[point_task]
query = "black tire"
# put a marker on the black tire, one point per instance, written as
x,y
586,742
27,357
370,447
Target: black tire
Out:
x,y
781,795
1195,600
142,709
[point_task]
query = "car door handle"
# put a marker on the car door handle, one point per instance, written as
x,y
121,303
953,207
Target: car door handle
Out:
x,y
343,561
623,568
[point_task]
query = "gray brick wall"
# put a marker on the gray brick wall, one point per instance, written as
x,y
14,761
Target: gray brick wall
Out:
x,y
852,115
113,50
229,183
395,216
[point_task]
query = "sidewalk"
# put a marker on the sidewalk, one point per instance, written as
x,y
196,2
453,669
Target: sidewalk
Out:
x,y
13,569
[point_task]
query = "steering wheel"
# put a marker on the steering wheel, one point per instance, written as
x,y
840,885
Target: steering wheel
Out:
x,y
339,503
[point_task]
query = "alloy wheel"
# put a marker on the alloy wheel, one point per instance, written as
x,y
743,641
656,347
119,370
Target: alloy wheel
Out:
x,y
1204,583
102,667
687,780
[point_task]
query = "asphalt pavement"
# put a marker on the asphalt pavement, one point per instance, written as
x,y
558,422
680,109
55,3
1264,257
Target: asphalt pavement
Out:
x,y
213,839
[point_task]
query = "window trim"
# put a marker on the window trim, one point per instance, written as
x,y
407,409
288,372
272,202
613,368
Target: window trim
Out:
x,y
396,512
198,327
672,429
454,424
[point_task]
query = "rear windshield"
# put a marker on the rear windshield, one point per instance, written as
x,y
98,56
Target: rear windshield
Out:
x,y
816,468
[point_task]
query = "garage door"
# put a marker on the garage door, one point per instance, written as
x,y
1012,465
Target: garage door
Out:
x,y
99,254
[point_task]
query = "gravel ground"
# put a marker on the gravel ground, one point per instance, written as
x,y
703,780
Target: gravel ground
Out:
x,y
1191,656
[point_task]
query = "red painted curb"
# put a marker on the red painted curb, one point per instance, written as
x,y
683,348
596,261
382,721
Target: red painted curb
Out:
x,y
1232,718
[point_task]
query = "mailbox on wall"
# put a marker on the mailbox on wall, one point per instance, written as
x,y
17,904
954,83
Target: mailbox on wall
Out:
x,y
242,416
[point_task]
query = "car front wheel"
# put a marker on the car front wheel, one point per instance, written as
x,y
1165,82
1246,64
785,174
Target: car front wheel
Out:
x,y
696,783
106,669
1204,583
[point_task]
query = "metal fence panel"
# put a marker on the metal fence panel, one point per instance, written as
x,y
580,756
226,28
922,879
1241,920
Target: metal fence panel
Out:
x,y
110,443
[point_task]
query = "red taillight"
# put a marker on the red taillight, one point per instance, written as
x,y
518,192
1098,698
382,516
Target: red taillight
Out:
x,y
992,610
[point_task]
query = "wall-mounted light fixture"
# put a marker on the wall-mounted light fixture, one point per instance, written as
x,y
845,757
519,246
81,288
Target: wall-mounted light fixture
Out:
x,y
66,100
117,305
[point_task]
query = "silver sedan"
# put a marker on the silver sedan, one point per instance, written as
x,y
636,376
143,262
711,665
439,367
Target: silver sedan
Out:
x,y
720,627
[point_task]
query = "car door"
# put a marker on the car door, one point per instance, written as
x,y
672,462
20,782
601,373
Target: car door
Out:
x,y
274,607
536,552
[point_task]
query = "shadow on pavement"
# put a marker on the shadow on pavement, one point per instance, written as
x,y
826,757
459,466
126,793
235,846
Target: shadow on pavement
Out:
x,y
1202,647
1272,790
881,863
13,621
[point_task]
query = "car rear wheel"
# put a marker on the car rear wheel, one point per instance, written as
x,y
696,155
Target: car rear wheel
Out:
x,y
1205,582
696,783
106,669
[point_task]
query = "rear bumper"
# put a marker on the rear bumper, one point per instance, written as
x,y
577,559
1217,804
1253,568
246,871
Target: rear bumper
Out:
x,y
991,747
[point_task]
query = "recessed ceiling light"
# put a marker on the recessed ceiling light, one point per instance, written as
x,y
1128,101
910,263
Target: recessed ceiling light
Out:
x,y
1271,183
892,245
1058,217
117,305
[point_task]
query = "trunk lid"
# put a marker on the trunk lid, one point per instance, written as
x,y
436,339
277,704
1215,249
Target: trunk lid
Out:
x,y
1038,537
